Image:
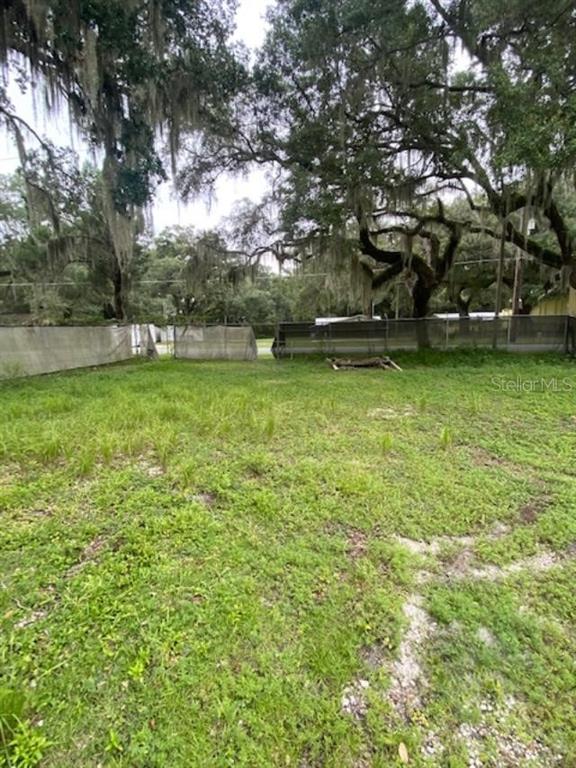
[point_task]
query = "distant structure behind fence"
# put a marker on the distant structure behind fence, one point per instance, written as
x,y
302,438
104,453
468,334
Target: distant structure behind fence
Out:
x,y
519,333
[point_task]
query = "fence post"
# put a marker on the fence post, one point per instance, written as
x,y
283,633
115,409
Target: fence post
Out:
x,y
446,335
387,335
496,328
276,341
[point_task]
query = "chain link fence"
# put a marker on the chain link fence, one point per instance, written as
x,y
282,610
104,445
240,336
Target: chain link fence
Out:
x,y
26,351
519,333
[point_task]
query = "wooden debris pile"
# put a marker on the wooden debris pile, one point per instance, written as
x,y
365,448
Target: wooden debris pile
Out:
x,y
345,364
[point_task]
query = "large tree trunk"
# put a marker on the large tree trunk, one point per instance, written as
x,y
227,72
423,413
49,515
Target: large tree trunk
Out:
x,y
421,295
421,299
120,291
463,304
122,227
464,315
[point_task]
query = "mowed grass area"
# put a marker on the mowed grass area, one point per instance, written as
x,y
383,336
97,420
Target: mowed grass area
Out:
x,y
201,565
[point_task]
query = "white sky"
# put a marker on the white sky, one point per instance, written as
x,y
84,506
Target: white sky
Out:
x,y
167,211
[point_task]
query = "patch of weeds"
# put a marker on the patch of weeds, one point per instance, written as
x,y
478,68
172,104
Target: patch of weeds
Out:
x,y
114,744
22,745
138,666
446,439
387,442
51,447
475,404
11,715
270,426
26,749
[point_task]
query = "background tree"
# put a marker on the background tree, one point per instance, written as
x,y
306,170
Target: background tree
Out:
x,y
125,69
56,253
194,271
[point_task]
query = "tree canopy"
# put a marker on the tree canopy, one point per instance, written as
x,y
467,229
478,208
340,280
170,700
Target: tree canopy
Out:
x,y
377,114
422,141
129,72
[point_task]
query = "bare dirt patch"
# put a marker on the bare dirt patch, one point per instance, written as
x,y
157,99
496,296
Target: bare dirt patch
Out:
x,y
408,681
206,498
9,473
150,468
511,751
89,554
485,636
373,656
432,745
391,413
35,514
434,546
462,566
458,564
357,544
417,547
536,564
484,458
31,619
529,513
356,539
353,701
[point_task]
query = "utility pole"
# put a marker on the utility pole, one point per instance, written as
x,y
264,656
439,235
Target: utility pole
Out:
x,y
518,270
517,291
499,282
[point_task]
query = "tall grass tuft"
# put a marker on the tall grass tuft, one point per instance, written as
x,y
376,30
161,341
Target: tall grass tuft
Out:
x,y
387,442
270,425
446,438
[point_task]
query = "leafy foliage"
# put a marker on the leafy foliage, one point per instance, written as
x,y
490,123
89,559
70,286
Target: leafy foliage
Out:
x,y
126,71
374,113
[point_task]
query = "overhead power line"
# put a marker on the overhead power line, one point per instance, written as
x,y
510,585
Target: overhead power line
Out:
x,y
76,285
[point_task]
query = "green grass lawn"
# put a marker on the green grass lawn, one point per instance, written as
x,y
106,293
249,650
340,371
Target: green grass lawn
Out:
x,y
274,564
